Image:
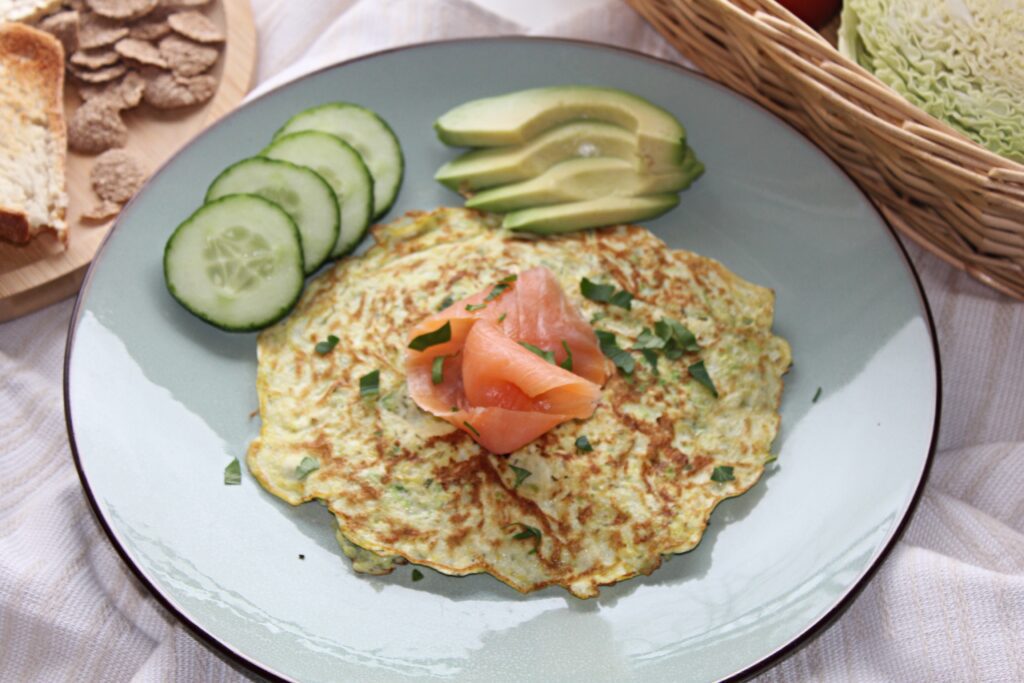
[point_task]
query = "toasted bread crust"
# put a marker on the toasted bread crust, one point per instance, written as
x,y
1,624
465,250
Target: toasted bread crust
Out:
x,y
37,58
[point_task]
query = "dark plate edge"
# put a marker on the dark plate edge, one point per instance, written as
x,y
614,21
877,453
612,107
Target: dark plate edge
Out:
x,y
813,630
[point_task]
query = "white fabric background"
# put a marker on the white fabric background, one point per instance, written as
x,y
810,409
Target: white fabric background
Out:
x,y
948,605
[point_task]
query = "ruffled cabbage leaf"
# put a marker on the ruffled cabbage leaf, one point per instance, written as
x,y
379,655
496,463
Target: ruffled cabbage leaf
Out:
x,y
962,61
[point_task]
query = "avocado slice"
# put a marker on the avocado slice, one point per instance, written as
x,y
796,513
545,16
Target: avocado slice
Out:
x,y
518,117
579,179
590,213
483,168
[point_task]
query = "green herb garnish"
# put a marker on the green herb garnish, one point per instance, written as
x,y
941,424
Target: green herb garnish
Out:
x,y
817,395
446,302
325,347
417,575
567,363
528,532
722,473
521,475
602,294
437,370
503,284
648,340
546,355
233,473
678,339
583,445
501,318
307,465
700,373
622,299
471,428
441,335
475,307
369,384
651,356
610,348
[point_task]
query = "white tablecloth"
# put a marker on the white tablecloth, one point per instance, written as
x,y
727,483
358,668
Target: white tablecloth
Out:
x,y
948,604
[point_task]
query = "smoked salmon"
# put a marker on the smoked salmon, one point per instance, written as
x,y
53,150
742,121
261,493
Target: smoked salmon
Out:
x,y
508,363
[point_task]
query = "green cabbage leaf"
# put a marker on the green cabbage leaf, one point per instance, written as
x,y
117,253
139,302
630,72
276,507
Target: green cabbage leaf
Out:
x,y
962,61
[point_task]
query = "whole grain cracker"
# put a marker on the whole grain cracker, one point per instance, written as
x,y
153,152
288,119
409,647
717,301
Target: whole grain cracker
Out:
x,y
95,31
116,176
167,91
122,10
94,59
123,94
103,211
196,26
104,75
140,52
185,57
96,127
183,4
64,27
150,29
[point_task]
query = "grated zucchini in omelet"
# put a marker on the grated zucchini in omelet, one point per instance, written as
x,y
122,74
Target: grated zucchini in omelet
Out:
x,y
406,485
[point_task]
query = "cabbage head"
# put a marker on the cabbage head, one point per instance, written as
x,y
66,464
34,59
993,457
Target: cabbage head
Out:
x,y
962,61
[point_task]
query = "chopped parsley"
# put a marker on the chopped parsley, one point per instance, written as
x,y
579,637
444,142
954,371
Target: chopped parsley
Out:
x,y
700,373
305,467
455,409
369,384
437,370
471,428
610,348
327,346
417,575
233,473
583,444
446,302
817,395
546,355
678,339
528,532
501,318
499,289
567,363
606,294
521,475
649,341
722,473
441,335
622,299
651,356
475,307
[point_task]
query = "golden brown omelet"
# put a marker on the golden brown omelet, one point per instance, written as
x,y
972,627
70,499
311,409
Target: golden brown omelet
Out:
x,y
405,484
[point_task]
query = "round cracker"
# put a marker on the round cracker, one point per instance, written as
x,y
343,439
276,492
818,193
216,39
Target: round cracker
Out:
x,y
104,75
140,52
167,91
116,176
122,10
94,59
185,57
96,127
196,26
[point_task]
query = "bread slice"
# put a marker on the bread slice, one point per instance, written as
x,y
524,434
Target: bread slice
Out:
x,y
26,10
33,138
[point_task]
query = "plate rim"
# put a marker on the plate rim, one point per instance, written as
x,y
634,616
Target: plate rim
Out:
x,y
810,632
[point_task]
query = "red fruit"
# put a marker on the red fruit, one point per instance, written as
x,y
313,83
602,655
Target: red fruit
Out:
x,y
814,13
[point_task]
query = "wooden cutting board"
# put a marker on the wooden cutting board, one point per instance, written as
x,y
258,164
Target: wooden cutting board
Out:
x,y
41,273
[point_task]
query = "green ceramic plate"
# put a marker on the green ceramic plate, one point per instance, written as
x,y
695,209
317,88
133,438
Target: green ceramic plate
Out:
x,y
158,403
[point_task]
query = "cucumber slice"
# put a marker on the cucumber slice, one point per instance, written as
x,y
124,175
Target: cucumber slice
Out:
x,y
236,263
369,134
302,193
343,169
592,213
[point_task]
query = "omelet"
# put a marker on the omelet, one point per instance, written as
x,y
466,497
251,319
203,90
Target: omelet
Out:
x,y
589,502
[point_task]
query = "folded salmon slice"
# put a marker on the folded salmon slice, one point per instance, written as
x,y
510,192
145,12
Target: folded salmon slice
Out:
x,y
492,386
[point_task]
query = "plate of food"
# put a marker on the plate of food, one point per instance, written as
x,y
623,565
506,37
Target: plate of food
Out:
x,y
108,90
596,370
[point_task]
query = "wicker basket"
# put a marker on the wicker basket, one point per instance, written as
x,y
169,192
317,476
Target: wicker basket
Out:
x,y
950,195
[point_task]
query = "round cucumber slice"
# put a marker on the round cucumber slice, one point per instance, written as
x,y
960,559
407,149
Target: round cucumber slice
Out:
x,y
369,134
236,263
301,192
343,169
